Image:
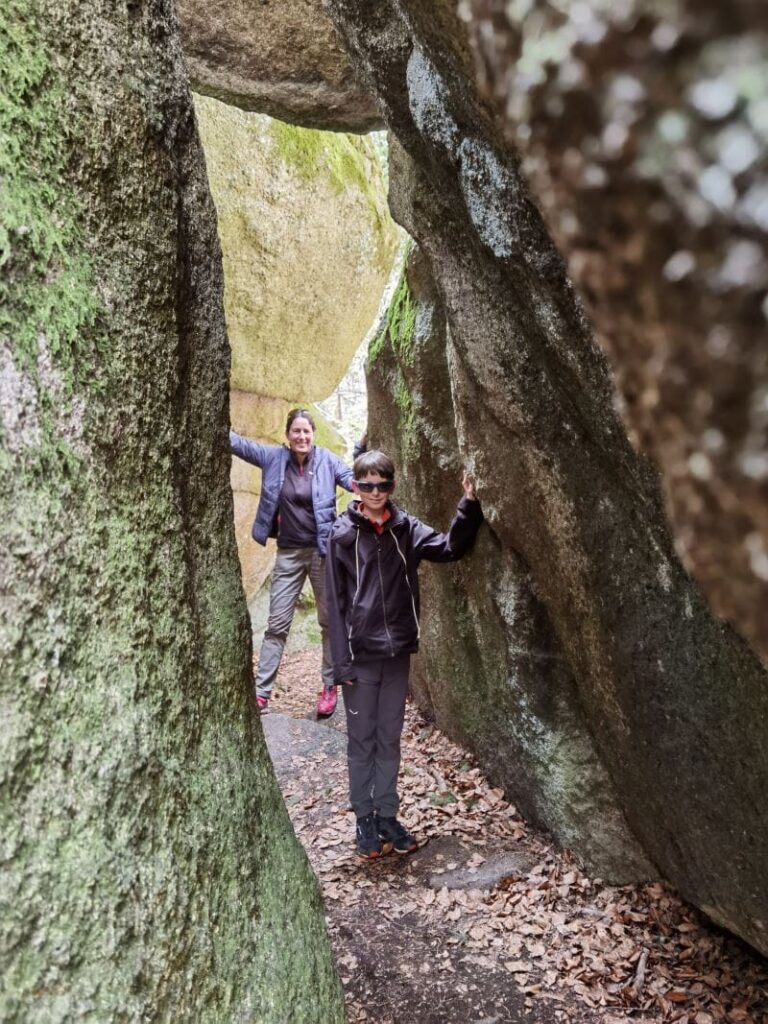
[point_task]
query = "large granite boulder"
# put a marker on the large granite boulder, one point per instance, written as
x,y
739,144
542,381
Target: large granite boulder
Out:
x,y
673,700
149,869
280,57
307,243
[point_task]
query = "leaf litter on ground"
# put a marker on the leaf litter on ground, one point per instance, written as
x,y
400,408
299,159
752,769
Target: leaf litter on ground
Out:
x,y
595,951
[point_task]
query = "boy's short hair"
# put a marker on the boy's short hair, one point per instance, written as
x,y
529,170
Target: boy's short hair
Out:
x,y
374,463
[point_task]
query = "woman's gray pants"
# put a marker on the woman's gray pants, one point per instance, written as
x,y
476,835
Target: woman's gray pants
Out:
x,y
375,707
292,567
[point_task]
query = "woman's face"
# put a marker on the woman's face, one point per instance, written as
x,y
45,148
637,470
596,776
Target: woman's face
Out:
x,y
300,436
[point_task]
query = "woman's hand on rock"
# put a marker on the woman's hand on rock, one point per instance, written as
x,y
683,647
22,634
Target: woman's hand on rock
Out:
x,y
469,486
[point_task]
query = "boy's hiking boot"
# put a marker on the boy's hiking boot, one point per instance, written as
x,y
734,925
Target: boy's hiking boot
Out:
x,y
262,703
326,705
369,845
391,831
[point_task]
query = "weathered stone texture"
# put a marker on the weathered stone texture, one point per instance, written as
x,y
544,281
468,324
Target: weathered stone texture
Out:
x,y
279,57
149,871
674,700
644,134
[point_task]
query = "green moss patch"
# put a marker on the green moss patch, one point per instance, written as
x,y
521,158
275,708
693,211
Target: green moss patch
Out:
x,y
346,161
46,283
312,153
409,434
399,326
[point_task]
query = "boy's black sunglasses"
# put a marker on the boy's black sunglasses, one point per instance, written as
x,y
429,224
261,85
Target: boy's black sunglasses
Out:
x,y
366,487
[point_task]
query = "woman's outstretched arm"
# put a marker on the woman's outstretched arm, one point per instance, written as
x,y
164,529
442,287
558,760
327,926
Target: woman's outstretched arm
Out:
x,y
249,451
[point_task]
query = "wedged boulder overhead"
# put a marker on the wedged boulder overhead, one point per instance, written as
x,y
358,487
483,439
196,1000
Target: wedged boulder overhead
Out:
x,y
277,57
676,702
307,243
149,868
644,134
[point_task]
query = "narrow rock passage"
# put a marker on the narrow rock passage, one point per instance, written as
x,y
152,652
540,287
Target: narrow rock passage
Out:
x,y
487,923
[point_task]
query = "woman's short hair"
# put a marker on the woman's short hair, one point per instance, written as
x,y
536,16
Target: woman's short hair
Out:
x,y
374,462
296,414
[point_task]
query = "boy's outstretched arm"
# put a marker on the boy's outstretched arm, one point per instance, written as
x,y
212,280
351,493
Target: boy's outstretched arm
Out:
x,y
249,451
450,546
335,595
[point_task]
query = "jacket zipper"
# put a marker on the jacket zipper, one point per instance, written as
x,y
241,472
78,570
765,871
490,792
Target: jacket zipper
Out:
x,y
357,590
383,602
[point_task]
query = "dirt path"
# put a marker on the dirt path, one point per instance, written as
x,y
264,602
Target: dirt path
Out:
x,y
487,923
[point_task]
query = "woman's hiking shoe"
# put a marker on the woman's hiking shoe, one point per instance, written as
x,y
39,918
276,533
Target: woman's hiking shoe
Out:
x,y
391,831
369,846
262,703
327,703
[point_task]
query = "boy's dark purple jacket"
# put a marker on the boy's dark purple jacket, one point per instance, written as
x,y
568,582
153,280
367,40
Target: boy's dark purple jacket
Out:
x,y
373,587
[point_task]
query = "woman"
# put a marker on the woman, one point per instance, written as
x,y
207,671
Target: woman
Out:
x,y
298,507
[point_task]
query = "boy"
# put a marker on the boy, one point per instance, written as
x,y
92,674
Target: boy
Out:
x,y
373,604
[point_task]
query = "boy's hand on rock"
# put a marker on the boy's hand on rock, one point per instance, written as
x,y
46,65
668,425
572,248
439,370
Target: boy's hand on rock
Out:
x,y
469,487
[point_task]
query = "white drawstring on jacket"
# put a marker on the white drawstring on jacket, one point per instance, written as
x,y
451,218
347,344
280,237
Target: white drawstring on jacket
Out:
x,y
410,588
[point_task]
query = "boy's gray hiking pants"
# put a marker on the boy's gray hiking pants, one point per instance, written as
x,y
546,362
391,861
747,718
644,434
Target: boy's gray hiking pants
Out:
x,y
375,708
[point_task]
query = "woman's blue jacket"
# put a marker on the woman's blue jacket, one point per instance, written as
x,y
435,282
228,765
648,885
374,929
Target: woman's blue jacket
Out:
x,y
327,471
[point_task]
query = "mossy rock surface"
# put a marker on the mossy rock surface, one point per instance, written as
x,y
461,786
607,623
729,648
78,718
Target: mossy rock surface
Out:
x,y
149,868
